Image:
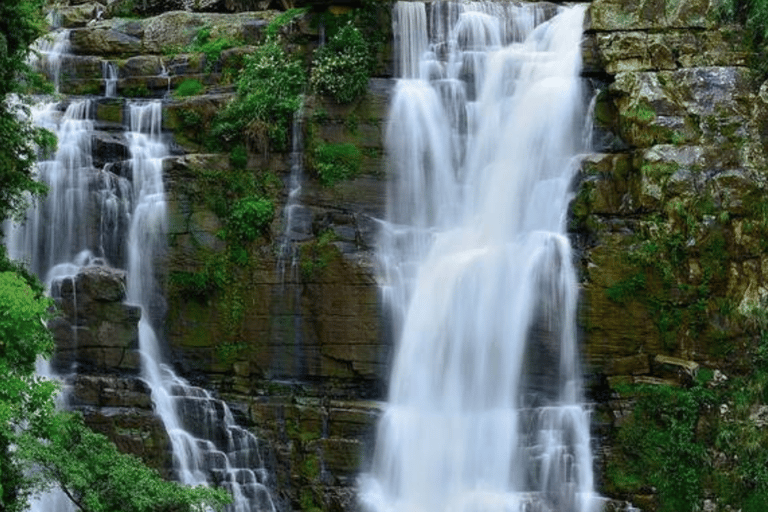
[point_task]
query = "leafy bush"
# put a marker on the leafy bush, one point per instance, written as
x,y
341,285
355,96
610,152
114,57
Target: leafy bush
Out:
x,y
342,66
269,92
657,445
212,48
189,87
238,157
250,216
754,15
283,19
336,162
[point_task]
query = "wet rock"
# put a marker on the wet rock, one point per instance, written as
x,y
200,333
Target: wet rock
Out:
x,y
97,332
616,15
79,15
108,147
104,40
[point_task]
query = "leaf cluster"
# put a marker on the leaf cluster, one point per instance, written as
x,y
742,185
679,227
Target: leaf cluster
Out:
x,y
189,87
336,162
98,478
341,68
20,24
268,93
250,216
211,47
657,445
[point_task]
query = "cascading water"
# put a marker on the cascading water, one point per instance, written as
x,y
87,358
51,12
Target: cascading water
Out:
x,y
484,410
83,221
109,70
208,447
297,227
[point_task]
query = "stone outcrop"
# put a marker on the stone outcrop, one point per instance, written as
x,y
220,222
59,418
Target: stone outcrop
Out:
x,y
97,333
97,338
668,211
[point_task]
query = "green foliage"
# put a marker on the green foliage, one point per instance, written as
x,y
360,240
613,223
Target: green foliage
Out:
x,y
626,289
753,14
21,22
26,402
283,19
139,91
124,9
201,283
98,478
659,170
342,66
673,436
238,157
641,112
657,445
315,256
250,216
189,87
336,162
268,93
211,48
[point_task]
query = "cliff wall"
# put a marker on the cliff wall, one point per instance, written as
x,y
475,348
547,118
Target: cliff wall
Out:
x,y
668,219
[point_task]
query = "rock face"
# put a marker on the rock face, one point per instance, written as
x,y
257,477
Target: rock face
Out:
x,y
97,335
668,219
667,216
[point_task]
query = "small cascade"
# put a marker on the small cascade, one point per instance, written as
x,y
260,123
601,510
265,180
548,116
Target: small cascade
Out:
x,y
109,70
485,127
208,447
48,52
54,232
297,228
294,229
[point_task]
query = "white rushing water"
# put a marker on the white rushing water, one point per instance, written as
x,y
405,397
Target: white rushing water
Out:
x,y
94,216
207,445
485,407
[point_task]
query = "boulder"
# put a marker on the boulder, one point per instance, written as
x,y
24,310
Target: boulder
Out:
x,y
72,16
97,332
617,15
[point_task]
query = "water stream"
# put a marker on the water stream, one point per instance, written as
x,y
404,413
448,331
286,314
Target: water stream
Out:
x,y
116,215
485,409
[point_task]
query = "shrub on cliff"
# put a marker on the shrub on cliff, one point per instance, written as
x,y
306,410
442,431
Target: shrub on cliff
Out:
x,y
341,68
268,93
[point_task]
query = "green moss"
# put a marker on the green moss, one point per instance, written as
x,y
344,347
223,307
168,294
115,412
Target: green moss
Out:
x,y
307,501
336,162
189,87
659,170
310,467
284,19
139,91
315,256
626,289
211,47
657,446
641,112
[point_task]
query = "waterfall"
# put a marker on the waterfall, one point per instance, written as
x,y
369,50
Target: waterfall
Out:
x,y
207,445
485,407
109,70
286,309
116,215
